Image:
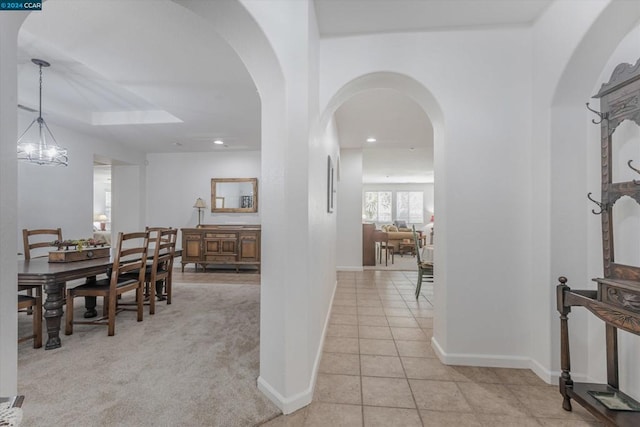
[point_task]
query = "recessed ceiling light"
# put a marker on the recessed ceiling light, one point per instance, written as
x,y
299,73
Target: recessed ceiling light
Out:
x,y
218,142
411,148
371,140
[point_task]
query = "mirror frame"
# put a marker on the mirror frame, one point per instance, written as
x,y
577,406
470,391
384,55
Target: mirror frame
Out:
x,y
254,208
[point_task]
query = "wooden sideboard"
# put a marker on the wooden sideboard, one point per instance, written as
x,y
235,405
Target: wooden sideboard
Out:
x,y
221,244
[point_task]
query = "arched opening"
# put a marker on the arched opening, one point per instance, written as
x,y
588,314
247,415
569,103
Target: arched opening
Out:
x,y
237,26
576,246
349,252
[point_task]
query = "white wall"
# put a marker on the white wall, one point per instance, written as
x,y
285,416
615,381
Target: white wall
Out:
x,y
51,197
481,80
349,233
555,36
176,180
9,25
291,327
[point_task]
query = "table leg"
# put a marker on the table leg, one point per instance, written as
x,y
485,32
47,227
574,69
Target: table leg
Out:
x,y
53,314
90,302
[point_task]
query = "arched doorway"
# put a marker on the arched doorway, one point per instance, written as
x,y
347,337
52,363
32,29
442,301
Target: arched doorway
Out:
x,y
415,90
236,24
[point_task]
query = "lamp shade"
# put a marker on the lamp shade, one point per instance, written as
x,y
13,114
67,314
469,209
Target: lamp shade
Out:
x,y
102,217
200,204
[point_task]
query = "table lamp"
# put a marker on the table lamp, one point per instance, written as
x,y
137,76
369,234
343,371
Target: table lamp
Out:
x,y
199,204
103,221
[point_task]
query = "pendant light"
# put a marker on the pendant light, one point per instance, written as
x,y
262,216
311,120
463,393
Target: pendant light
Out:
x,y
39,146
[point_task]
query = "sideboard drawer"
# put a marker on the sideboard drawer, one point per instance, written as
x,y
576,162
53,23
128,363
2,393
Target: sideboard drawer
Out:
x,y
220,236
221,258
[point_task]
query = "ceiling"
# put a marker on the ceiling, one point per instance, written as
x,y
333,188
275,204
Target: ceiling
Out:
x,y
350,17
169,83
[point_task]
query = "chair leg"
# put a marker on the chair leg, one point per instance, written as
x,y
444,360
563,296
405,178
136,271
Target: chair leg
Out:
x,y
139,296
167,285
37,323
152,297
68,330
419,285
111,322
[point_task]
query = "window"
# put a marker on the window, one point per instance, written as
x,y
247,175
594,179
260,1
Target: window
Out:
x,y
377,206
409,206
107,205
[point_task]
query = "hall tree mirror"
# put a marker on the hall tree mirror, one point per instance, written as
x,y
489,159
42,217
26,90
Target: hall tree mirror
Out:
x,y
626,221
234,195
625,155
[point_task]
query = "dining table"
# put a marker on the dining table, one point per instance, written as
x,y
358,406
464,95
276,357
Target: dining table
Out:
x,y
51,277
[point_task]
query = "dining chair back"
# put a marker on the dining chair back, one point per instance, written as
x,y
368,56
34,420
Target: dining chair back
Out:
x,y
28,303
425,268
130,257
381,238
37,239
158,277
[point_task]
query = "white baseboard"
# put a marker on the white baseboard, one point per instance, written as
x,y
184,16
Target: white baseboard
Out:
x,y
487,360
349,268
287,405
550,377
502,361
291,404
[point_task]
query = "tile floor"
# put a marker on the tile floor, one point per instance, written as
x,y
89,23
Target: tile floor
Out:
x,y
378,369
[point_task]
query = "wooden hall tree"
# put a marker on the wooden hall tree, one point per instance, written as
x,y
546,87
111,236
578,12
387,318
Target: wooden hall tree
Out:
x,y
617,298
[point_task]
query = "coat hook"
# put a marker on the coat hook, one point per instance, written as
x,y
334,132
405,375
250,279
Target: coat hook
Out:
x,y
603,116
634,169
603,206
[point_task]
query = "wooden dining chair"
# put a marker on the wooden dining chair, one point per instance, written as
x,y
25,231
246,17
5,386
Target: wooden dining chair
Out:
x,y
158,274
33,304
130,256
37,239
425,268
34,242
382,244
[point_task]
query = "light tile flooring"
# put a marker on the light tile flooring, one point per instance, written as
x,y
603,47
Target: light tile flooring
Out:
x,y
378,369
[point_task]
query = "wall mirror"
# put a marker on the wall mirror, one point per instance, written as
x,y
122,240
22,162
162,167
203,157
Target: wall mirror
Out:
x,y
234,195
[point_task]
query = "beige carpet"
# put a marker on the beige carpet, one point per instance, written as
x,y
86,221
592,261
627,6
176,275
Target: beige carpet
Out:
x,y
194,363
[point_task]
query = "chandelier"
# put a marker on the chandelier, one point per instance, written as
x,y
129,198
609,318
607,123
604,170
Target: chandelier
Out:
x,y
39,146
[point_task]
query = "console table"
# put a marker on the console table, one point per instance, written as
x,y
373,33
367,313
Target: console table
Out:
x,y
235,245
